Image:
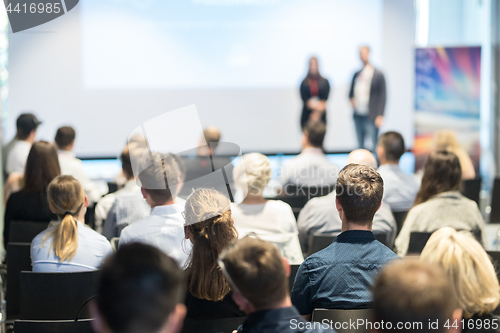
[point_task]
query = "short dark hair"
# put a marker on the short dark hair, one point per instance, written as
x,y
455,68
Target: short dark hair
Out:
x,y
25,124
359,190
161,177
138,288
315,131
126,161
65,136
413,291
393,145
258,271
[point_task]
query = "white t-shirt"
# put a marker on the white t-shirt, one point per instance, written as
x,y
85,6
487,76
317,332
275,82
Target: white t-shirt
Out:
x,y
272,221
362,89
17,157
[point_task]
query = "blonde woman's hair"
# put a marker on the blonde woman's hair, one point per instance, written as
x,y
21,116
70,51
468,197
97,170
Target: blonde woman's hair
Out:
x,y
208,219
447,140
254,173
469,269
66,198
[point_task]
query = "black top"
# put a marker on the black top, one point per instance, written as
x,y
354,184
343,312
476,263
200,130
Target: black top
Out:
x,y
378,94
479,324
202,309
313,87
280,321
24,206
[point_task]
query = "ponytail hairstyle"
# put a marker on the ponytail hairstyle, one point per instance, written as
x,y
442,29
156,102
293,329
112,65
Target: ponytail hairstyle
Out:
x,y
208,220
66,199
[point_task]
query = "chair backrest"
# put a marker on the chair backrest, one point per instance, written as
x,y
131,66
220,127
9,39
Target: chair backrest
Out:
x,y
296,202
495,202
53,326
318,242
400,218
381,237
419,239
114,243
55,296
336,317
226,325
25,231
18,259
471,188
293,273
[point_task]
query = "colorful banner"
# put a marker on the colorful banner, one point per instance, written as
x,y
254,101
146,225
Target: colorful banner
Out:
x,y
447,96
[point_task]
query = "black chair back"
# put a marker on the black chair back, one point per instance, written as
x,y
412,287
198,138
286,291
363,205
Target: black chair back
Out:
x,y
400,218
18,259
53,326
336,317
318,242
25,231
381,237
293,273
419,239
56,296
471,188
226,325
296,202
495,202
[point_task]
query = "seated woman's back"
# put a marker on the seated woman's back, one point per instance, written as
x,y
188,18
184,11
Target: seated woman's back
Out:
x,y
30,203
68,245
439,202
272,221
209,227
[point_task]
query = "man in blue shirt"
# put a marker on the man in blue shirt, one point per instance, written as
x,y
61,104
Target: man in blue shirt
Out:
x,y
340,276
258,276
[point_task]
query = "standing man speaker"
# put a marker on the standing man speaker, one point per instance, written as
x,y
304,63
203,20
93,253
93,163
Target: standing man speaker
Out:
x,y
368,96
314,92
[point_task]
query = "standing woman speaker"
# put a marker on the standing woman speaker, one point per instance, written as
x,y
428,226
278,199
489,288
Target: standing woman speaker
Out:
x,y
314,92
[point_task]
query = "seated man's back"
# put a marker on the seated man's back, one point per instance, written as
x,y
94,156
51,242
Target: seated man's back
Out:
x,y
341,275
311,167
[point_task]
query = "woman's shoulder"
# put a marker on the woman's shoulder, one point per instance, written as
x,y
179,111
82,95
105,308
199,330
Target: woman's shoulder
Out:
x,y
278,205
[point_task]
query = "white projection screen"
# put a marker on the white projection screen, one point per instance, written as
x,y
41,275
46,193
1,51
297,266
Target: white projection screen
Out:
x,y
108,66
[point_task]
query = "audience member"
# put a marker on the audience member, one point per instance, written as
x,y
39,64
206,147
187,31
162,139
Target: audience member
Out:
x,y
400,189
311,167
68,245
439,202
259,277
447,140
70,165
271,220
164,227
140,290
209,227
16,151
320,216
30,203
341,275
207,159
471,275
104,205
417,296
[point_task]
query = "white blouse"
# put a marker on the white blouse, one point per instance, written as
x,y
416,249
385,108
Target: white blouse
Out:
x,y
272,221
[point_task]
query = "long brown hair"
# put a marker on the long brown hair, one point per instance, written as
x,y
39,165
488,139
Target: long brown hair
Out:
x,y
442,173
208,219
41,167
66,199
